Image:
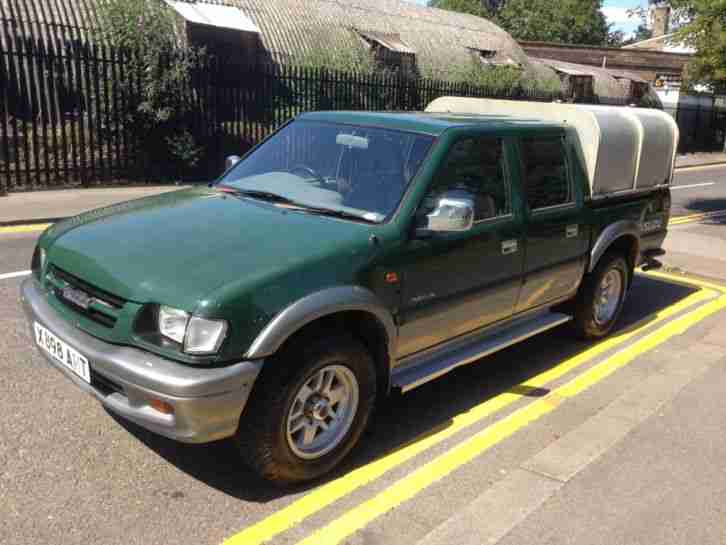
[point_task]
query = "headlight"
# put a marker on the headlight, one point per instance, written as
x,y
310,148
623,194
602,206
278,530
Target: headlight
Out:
x,y
173,323
198,336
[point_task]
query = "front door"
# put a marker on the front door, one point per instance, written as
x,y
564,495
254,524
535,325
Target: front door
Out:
x,y
459,282
557,237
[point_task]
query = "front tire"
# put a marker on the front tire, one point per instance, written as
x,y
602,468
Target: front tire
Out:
x,y
601,297
308,409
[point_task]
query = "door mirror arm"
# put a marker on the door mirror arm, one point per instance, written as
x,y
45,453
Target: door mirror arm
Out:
x,y
230,161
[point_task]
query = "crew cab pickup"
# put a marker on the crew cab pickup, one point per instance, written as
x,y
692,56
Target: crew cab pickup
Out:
x,y
347,256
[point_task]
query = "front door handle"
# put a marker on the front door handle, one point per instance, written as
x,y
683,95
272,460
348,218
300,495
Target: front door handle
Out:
x,y
572,231
509,247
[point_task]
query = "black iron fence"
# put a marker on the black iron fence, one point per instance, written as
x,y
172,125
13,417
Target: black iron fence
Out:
x,y
701,119
64,116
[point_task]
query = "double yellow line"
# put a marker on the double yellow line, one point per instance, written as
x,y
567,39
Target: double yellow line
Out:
x,y
24,228
680,220
712,298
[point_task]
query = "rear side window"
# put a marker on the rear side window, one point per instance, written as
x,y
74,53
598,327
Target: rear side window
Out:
x,y
546,177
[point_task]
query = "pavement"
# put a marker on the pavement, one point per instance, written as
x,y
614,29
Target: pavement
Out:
x,y
700,159
48,206
40,207
552,441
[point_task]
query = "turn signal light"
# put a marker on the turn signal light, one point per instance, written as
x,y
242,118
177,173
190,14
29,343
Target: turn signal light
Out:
x,y
161,406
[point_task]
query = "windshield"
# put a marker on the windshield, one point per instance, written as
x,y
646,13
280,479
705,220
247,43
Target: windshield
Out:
x,y
357,170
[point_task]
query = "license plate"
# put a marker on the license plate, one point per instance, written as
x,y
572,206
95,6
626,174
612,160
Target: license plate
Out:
x,y
62,353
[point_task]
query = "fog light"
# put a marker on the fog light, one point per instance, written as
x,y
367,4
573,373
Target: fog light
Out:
x,y
162,406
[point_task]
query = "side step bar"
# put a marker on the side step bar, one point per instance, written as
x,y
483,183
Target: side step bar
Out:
x,y
423,367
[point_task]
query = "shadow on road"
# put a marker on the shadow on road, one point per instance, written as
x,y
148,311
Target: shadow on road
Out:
x,y
402,419
696,206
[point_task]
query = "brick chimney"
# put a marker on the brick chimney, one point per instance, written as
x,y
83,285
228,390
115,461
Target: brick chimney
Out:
x,y
661,20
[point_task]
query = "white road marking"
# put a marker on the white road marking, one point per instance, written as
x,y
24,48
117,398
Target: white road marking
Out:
x,y
18,274
700,167
674,187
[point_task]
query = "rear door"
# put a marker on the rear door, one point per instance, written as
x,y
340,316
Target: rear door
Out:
x,y
555,227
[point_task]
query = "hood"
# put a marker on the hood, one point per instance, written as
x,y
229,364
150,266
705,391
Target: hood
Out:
x,y
179,247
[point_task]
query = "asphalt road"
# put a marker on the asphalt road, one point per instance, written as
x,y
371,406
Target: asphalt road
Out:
x,y
70,472
699,190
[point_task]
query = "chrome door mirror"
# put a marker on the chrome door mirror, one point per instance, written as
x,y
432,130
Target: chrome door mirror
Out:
x,y
451,215
231,161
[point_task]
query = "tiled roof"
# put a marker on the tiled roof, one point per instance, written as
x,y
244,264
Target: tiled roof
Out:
x,y
291,26
441,39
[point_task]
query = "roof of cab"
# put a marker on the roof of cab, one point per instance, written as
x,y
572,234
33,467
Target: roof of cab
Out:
x,y
430,123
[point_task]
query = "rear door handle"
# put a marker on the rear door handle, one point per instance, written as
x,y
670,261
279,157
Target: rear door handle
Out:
x,y
509,247
572,231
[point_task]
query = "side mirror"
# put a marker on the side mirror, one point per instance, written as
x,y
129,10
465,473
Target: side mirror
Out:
x,y
451,215
231,161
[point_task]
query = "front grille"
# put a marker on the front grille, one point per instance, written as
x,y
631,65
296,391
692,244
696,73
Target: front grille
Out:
x,y
104,385
105,308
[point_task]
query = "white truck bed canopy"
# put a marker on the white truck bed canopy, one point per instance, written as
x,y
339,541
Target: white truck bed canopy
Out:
x,y
623,149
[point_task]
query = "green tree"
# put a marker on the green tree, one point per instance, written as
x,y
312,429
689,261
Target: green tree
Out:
x,y
704,28
641,33
564,21
157,85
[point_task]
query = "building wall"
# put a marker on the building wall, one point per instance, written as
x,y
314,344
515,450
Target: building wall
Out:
x,y
647,64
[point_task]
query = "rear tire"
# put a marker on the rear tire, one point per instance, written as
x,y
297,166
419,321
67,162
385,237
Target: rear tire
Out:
x,y
601,297
308,409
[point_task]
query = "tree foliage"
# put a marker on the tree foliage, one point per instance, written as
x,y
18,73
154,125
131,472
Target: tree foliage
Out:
x,y
157,81
564,21
641,33
704,28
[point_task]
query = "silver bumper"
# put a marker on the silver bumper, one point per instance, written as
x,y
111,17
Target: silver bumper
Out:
x,y
207,402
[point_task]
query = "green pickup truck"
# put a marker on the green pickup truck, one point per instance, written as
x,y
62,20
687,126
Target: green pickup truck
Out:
x,y
347,256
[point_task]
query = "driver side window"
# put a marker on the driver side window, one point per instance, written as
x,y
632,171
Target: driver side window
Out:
x,y
474,168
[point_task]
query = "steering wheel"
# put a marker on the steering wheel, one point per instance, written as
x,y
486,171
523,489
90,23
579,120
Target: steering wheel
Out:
x,y
307,170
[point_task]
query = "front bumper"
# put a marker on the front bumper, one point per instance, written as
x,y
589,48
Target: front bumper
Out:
x,y
207,402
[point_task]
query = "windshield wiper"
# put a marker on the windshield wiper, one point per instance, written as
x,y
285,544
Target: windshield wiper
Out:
x,y
334,213
294,205
256,194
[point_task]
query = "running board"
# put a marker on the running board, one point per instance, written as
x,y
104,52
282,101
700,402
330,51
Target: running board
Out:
x,y
423,367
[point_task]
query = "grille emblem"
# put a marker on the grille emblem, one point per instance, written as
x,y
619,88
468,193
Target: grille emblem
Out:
x,y
77,297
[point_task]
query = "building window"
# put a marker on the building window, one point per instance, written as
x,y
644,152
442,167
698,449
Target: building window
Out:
x,y
225,31
389,51
581,87
490,57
